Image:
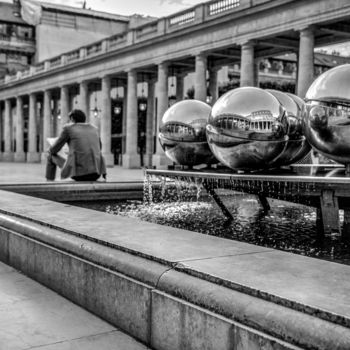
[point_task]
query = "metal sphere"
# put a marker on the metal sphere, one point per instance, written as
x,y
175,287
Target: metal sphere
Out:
x,y
327,118
297,146
247,129
182,133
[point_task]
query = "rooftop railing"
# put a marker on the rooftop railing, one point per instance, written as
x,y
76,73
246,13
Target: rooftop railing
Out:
x,y
197,14
182,18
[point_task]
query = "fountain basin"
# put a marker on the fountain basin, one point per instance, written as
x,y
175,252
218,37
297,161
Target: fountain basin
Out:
x,y
159,283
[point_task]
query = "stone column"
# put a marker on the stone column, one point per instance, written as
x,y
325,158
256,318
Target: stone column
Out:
x,y
180,87
19,154
130,158
32,155
213,85
84,99
306,61
256,73
200,84
159,158
7,156
150,123
64,106
1,128
106,122
53,131
46,124
125,102
247,65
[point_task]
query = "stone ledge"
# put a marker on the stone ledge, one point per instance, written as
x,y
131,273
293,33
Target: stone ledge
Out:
x,y
88,274
128,251
68,191
310,285
133,266
270,318
135,307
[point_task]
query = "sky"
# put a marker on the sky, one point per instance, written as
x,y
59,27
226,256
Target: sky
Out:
x,y
156,8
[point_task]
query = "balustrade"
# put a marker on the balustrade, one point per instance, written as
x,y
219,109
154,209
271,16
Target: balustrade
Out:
x,y
116,40
72,56
220,6
93,49
147,30
40,67
55,62
182,18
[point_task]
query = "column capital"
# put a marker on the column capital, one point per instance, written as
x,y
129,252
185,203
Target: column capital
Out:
x,y
164,64
306,29
214,69
200,54
248,44
128,70
83,82
105,77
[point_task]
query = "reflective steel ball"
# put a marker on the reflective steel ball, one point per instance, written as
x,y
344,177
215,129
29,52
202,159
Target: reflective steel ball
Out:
x,y
327,119
182,133
297,146
248,129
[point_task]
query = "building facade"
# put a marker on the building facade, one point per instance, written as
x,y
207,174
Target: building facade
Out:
x,y
124,82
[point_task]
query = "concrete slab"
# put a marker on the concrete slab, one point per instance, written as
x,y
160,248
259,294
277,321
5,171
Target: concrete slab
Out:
x,y
162,243
33,316
285,277
115,340
308,284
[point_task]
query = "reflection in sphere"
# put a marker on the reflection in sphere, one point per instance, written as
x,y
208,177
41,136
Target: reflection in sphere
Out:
x,y
248,129
327,118
297,146
182,133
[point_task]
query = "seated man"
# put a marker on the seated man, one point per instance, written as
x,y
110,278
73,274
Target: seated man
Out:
x,y
85,161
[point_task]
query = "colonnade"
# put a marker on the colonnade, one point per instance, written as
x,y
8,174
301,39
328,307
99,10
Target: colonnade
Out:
x,y
13,146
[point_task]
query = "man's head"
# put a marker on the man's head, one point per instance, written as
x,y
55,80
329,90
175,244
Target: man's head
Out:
x,y
77,116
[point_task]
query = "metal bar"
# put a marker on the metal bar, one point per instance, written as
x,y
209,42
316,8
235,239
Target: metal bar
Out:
x,y
264,202
261,177
217,199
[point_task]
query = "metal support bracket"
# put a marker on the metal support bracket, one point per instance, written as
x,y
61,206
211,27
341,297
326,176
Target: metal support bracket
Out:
x,y
217,200
329,211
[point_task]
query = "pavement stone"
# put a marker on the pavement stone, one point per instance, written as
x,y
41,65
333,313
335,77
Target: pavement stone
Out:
x,y
34,317
35,173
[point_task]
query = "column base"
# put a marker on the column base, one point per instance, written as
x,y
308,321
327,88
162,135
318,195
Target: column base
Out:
x,y
19,157
161,160
131,161
33,157
7,157
109,159
147,159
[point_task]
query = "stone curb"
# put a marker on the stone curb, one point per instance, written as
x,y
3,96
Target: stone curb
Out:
x,y
275,320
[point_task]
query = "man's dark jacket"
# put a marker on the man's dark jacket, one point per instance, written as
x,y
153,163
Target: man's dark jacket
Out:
x,y
84,156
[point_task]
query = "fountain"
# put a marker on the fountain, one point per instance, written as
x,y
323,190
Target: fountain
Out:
x,y
326,123
259,135
182,133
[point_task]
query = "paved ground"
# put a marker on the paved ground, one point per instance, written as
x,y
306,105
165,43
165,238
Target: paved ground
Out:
x,y
25,172
34,317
